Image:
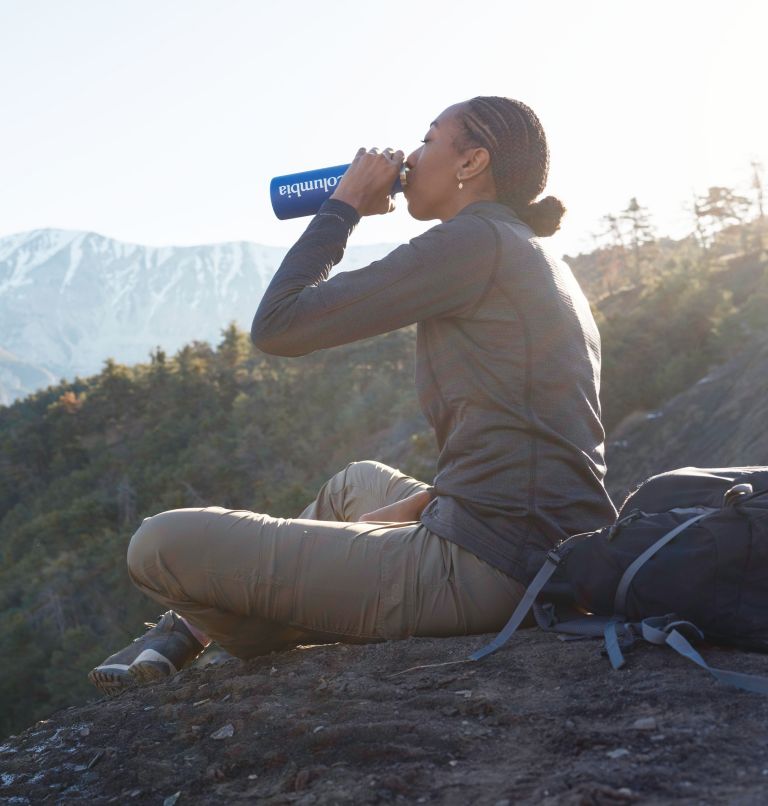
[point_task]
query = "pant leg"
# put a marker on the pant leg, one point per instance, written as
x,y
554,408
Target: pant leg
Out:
x,y
256,583
361,487
244,577
358,488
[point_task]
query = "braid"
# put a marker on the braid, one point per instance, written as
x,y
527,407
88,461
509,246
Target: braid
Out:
x,y
515,140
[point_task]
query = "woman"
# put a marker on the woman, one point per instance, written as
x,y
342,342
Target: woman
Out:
x,y
508,364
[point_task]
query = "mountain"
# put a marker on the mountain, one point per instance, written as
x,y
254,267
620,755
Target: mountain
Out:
x,y
69,300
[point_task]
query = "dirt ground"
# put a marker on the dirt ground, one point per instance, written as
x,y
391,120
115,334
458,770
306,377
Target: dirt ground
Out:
x,y
542,722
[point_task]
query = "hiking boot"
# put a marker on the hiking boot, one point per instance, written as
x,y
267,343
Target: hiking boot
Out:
x,y
159,653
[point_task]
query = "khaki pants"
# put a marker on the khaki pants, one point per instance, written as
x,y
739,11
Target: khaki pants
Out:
x,y
255,583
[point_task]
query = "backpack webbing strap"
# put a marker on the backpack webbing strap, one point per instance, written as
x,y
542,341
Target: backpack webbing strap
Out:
x,y
516,619
620,600
675,639
611,636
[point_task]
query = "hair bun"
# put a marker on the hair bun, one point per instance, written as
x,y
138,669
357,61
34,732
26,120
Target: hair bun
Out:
x,y
544,216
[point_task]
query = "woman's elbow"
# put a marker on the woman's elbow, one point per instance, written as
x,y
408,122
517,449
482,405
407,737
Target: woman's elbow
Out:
x,y
275,344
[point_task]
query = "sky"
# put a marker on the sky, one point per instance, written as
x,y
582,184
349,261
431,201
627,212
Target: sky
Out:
x,y
161,122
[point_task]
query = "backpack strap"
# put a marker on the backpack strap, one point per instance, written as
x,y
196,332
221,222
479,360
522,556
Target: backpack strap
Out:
x,y
620,601
524,605
611,629
663,631
618,634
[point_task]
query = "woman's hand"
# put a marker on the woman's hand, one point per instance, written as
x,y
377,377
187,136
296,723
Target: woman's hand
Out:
x,y
367,183
405,511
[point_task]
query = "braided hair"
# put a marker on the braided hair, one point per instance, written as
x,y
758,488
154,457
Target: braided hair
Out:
x,y
514,138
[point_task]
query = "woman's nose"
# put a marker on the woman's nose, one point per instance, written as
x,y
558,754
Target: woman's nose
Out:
x,y
410,160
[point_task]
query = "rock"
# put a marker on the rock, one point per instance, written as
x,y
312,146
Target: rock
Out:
x,y
224,733
215,772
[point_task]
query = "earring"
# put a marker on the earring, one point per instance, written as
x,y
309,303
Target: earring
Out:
x,y
461,184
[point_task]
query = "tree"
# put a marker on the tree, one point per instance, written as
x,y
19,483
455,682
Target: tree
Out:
x,y
640,233
630,232
234,347
719,208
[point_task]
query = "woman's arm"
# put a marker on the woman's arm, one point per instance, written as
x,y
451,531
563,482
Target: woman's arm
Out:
x,y
405,511
444,271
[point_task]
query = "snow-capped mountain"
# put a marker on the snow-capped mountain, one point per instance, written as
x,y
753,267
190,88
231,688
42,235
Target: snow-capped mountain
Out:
x,y
69,300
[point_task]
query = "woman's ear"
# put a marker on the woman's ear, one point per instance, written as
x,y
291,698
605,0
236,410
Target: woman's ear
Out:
x,y
475,162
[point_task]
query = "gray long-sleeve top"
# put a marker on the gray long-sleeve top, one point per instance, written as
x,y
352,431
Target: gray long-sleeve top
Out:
x,y
507,368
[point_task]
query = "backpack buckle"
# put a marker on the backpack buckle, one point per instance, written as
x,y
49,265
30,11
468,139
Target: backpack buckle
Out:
x,y
553,557
736,493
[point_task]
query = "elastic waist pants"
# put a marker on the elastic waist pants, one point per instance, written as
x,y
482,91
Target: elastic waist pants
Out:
x,y
255,583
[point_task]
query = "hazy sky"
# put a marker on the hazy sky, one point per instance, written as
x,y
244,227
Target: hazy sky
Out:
x,y
162,121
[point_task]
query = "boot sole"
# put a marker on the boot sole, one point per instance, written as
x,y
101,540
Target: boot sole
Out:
x,y
111,681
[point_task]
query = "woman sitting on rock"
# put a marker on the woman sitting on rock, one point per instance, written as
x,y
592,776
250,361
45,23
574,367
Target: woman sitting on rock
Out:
x,y
507,372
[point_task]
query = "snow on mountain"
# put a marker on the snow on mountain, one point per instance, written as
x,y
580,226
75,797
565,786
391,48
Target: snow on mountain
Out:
x,y
69,300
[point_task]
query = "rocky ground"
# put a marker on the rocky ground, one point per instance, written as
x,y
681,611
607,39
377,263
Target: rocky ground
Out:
x,y
542,722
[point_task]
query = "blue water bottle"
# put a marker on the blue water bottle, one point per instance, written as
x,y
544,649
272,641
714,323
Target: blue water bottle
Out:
x,y
296,195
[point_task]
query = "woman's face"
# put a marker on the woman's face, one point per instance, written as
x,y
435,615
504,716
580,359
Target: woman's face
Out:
x,y
432,190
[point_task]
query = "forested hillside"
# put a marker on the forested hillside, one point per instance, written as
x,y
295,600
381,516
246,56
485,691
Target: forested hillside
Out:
x,y
670,310
82,463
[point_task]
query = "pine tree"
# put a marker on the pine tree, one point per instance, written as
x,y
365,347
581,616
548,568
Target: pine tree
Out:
x,y
716,210
640,235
